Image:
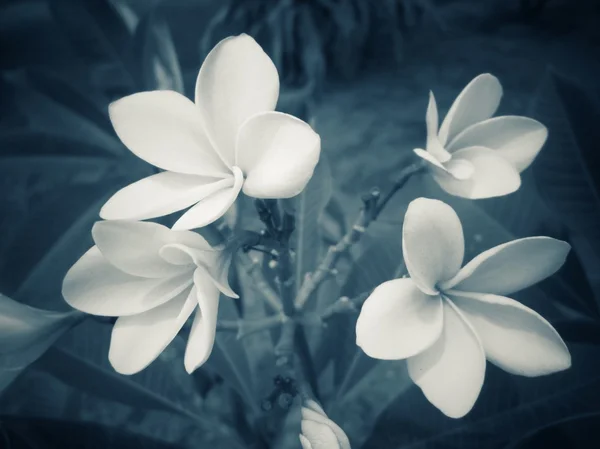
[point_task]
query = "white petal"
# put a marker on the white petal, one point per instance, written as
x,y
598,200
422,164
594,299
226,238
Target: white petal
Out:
x,y
212,207
433,143
430,158
204,327
398,321
433,244
138,340
165,129
133,247
517,139
460,169
512,266
478,101
236,81
492,175
316,414
278,153
94,286
451,372
160,194
304,442
319,435
514,337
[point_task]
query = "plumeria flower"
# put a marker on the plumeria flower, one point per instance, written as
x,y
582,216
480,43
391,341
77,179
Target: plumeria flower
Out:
x,y
475,156
26,333
151,278
447,320
229,140
318,431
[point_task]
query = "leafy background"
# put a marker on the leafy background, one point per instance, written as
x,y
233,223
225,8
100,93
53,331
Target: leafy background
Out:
x,y
360,71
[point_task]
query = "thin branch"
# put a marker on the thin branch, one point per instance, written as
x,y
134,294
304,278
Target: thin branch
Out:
x,y
373,206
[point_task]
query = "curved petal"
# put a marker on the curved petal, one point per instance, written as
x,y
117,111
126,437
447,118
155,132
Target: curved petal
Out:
x,y
433,143
160,194
278,153
137,340
217,262
398,321
319,435
204,327
492,175
314,412
452,371
165,129
134,246
514,337
460,169
212,207
430,158
94,286
304,442
512,266
433,244
236,81
478,101
517,139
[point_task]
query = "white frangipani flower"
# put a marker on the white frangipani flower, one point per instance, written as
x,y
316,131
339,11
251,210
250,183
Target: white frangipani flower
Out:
x,y
26,333
446,320
473,155
152,278
318,431
229,140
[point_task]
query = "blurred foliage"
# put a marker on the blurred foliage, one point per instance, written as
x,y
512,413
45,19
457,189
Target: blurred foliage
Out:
x,y
60,160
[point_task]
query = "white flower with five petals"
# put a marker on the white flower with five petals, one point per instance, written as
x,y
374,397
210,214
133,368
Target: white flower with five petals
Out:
x,y
447,320
230,139
473,155
152,278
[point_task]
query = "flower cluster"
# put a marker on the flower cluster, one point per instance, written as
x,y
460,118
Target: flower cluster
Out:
x,y
230,140
445,319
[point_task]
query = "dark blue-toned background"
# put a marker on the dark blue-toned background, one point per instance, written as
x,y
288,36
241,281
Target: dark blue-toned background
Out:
x,y
360,70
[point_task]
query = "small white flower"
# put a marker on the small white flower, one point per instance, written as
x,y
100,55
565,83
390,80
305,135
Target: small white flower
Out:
x,y
318,431
446,320
26,333
151,278
475,156
230,139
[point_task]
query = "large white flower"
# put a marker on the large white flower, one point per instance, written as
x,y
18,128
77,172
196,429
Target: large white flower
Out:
x,y
152,278
446,320
473,155
318,431
26,333
230,139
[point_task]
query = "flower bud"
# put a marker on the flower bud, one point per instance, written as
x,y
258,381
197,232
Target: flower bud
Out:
x,y
318,431
26,333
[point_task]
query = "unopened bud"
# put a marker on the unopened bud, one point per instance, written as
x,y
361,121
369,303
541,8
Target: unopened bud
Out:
x,y
320,431
273,264
285,400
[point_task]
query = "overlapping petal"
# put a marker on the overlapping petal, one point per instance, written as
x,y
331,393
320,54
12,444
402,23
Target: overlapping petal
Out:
x,y
161,194
517,139
236,81
278,153
492,175
137,340
434,146
202,334
94,286
432,243
319,431
134,247
212,207
165,129
451,372
398,321
478,101
514,337
512,266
